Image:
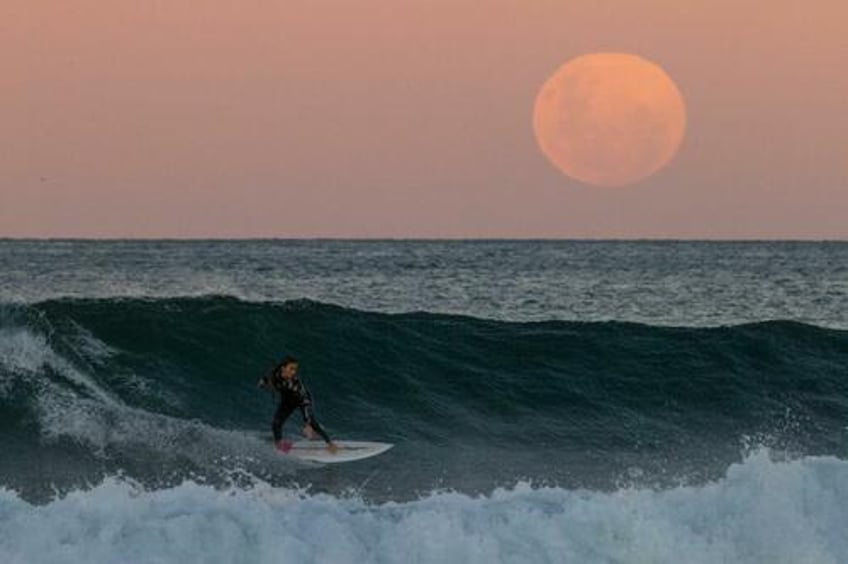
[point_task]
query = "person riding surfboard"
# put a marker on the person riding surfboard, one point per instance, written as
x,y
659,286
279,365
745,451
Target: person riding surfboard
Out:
x,y
292,394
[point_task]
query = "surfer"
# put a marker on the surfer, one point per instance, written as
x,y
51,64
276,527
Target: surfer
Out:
x,y
283,379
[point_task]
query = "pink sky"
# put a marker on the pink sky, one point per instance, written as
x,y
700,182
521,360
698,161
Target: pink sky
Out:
x,y
407,118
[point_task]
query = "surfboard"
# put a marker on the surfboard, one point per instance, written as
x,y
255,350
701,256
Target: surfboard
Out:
x,y
348,451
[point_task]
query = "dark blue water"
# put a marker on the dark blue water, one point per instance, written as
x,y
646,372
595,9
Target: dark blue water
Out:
x,y
658,283
544,376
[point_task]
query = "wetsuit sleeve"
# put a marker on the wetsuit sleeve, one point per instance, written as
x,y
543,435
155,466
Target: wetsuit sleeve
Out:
x,y
267,381
309,415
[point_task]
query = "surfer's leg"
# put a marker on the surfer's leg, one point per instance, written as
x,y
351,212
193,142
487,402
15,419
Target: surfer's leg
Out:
x,y
320,430
309,419
283,411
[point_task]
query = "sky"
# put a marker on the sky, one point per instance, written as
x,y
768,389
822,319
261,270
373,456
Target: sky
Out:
x,y
407,119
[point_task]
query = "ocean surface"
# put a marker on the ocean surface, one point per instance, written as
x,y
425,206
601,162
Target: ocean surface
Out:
x,y
550,401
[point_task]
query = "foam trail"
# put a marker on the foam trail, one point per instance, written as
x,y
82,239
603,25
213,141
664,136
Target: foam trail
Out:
x,y
25,354
761,511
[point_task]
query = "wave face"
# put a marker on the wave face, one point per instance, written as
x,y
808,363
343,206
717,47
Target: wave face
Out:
x,y
163,390
759,511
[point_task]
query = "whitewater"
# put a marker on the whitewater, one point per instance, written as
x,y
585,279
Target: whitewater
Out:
x,y
761,511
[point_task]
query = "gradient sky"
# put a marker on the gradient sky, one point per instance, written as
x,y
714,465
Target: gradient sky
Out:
x,y
407,118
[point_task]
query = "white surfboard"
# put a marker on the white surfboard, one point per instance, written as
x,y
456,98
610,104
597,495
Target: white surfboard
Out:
x,y
348,451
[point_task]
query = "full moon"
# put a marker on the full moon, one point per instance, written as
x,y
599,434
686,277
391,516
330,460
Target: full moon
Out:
x,y
609,119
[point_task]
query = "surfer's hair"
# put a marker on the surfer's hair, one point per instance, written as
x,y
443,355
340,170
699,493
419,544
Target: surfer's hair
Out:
x,y
288,360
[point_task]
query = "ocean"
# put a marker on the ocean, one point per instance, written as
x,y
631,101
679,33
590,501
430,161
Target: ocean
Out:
x,y
549,401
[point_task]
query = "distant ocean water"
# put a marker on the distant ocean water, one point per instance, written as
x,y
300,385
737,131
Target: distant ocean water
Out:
x,y
549,401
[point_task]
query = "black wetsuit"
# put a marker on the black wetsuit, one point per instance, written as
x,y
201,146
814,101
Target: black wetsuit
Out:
x,y
293,394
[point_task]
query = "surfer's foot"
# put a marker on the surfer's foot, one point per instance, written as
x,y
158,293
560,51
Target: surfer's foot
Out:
x,y
332,448
284,445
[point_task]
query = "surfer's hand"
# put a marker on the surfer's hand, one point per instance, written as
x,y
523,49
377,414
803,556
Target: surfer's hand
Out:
x,y
261,383
332,448
308,431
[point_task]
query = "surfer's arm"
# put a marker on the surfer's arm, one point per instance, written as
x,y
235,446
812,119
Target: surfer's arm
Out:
x,y
266,382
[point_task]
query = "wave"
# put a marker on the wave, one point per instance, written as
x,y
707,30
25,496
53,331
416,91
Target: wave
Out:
x,y
760,510
163,389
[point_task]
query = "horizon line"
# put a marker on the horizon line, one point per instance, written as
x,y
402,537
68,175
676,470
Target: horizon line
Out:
x,y
425,239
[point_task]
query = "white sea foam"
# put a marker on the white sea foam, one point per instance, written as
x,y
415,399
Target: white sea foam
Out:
x,y
24,354
761,511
